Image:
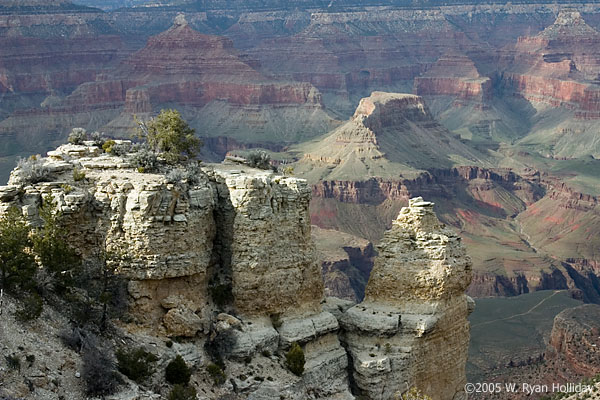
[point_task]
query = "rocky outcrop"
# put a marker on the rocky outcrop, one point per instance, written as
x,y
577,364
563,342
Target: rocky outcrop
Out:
x,y
573,346
274,272
414,311
454,75
227,240
389,135
557,67
226,259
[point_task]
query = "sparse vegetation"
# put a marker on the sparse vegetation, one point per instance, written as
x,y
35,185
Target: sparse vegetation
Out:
x,y
259,159
78,175
145,160
51,245
106,291
182,392
190,174
288,170
17,264
412,394
169,135
66,187
120,149
97,139
136,364
216,373
77,136
32,170
295,359
107,146
98,372
177,371
13,362
31,308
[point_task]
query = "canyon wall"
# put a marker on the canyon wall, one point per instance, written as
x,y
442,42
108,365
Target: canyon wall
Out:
x,y
227,257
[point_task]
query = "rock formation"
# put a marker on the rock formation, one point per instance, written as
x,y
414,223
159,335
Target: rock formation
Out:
x,y
390,134
219,91
414,311
184,245
572,348
454,75
226,258
558,66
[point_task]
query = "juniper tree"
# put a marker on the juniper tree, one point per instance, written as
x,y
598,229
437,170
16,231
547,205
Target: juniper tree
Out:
x,y
169,134
17,263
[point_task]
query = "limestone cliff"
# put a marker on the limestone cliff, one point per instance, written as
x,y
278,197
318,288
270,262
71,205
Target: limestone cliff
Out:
x,y
411,330
226,259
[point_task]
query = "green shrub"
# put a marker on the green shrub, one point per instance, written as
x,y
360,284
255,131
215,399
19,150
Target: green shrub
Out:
x,y
51,245
66,187
170,135
78,175
31,308
216,373
295,359
177,371
77,136
413,394
17,264
13,362
259,159
181,392
136,364
107,146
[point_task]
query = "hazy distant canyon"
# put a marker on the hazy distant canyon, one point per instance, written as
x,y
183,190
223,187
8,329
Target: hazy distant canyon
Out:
x,y
511,90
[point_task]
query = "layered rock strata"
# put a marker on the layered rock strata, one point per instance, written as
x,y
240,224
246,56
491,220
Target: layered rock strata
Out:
x,y
559,66
411,330
455,75
226,258
573,346
184,245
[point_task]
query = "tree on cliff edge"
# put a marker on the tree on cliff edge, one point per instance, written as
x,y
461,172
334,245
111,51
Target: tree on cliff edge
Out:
x,y
170,135
17,264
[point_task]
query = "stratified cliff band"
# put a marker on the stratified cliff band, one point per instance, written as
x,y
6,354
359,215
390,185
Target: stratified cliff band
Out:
x,y
246,232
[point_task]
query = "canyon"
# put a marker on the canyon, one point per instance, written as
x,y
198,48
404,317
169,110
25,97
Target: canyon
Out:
x,y
245,231
525,230
489,111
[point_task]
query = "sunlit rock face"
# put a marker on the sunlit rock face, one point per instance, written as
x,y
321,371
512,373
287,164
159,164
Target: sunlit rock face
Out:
x,y
412,330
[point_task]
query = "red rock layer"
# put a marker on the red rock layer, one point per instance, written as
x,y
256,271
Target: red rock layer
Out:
x,y
35,65
558,67
454,75
575,340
